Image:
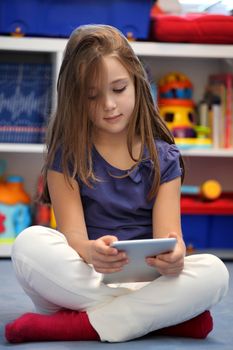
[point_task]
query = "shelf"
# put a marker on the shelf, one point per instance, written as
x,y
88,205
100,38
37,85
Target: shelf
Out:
x,y
40,148
227,153
144,48
32,44
5,250
26,159
22,147
182,50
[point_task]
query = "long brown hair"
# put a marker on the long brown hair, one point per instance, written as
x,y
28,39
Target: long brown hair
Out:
x,y
70,129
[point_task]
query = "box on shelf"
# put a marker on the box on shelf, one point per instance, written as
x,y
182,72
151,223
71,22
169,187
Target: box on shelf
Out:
x,y
25,101
60,18
208,224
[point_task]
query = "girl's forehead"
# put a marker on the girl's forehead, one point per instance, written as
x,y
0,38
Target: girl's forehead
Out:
x,y
105,71
113,65
109,71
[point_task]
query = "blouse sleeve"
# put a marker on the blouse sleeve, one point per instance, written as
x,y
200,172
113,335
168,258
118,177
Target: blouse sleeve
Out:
x,y
169,156
57,165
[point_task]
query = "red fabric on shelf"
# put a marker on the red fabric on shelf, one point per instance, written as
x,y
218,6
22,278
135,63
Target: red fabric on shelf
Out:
x,y
193,28
195,205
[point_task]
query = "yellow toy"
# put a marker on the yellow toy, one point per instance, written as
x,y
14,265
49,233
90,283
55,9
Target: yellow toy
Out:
x,y
179,119
177,109
52,219
209,190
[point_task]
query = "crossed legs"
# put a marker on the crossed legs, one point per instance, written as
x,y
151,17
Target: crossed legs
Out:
x,y
57,280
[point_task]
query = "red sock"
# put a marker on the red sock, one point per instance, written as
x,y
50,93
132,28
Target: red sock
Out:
x,y
71,325
63,325
198,327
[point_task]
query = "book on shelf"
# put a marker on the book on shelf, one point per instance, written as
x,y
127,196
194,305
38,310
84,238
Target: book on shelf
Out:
x,y
25,101
221,86
211,115
216,125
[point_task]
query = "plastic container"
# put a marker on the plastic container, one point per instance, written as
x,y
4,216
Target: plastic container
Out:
x,y
60,18
208,224
13,192
196,229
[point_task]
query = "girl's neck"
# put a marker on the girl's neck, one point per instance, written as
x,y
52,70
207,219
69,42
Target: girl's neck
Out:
x,y
115,151
110,140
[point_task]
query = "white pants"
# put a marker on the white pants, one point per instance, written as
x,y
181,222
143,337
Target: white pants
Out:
x,y
54,276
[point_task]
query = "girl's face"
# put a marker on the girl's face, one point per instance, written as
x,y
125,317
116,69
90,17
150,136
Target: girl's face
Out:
x,y
111,106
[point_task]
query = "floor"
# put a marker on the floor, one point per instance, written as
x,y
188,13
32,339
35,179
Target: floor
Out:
x,y
13,302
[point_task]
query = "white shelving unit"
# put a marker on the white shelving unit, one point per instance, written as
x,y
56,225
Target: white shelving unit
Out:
x,y
197,61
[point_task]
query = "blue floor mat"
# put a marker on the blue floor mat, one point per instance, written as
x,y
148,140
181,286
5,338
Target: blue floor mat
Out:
x,y
14,302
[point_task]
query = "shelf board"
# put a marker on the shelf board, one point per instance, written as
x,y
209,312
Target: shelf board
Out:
x,y
32,44
5,250
221,152
22,147
40,148
154,49
141,48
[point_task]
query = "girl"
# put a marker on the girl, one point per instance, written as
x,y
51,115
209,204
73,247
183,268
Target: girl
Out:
x,y
112,172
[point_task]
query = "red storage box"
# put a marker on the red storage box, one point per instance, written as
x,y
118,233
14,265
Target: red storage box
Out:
x,y
208,224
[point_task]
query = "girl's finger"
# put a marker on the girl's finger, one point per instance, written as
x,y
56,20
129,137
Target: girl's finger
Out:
x,y
110,258
102,245
107,270
103,265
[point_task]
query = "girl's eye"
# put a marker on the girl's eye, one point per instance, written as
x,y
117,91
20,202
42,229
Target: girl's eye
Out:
x,y
118,91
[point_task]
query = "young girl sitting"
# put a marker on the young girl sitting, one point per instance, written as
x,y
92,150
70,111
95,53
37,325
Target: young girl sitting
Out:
x,y
112,173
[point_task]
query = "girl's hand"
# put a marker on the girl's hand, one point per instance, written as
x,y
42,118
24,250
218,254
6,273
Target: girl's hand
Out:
x,y
172,263
104,258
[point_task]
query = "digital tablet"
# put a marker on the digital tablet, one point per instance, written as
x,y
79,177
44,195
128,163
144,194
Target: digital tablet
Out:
x,y
137,269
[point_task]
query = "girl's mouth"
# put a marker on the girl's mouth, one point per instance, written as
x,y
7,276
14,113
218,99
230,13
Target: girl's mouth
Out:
x,y
113,118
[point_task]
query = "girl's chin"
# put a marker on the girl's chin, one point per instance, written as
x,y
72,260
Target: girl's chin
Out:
x,y
111,132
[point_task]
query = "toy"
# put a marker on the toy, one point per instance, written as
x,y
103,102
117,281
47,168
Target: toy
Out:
x,y
177,109
209,190
175,89
42,211
42,215
176,105
179,119
15,213
53,223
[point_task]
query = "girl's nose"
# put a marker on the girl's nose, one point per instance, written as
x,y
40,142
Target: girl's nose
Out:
x,y
109,103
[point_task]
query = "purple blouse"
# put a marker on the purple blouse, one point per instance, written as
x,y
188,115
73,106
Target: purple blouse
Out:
x,y
119,206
